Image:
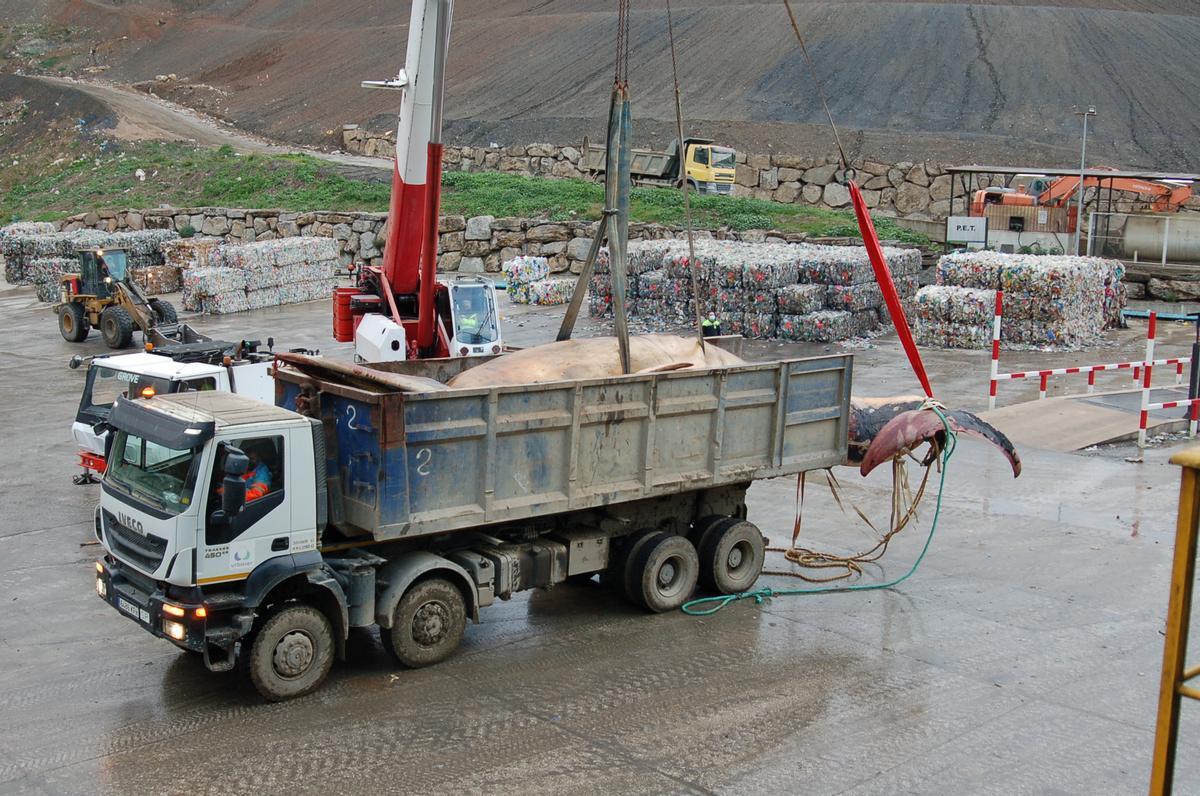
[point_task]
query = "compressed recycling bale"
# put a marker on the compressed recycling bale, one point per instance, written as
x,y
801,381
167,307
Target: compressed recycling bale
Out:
x,y
185,253
834,265
22,228
523,270
948,334
852,298
262,298
759,298
156,279
276,253
761,325
546,292
800,299
770,275
824,326
972,306
45,274
225,303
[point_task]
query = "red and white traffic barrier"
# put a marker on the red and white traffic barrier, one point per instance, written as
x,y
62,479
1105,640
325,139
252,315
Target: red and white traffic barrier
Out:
x,y
1138,367
1147,406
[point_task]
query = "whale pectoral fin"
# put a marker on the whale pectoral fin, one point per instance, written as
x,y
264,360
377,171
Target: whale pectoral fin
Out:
x,y
908,430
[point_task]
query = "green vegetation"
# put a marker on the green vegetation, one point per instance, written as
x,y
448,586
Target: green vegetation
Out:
x,y
152,174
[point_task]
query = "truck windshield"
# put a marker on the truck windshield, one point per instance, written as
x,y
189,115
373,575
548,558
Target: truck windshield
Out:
x,y
474,314
722,158
163,477
105,383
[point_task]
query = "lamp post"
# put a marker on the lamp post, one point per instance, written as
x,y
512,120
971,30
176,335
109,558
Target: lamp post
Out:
x,y
1091,111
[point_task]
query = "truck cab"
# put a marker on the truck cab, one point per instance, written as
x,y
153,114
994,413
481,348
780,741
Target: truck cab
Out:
x,y
145,375
208,500
710,168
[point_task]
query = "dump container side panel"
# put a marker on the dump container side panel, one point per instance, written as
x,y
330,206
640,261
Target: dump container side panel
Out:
x,y
360,468
748,421
612,440
815,412
531,457
684,427
446,456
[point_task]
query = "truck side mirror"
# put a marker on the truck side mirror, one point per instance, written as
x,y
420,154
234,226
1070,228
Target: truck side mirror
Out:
x,y
233,488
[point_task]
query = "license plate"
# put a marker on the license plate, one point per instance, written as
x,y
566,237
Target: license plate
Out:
x,y
133,610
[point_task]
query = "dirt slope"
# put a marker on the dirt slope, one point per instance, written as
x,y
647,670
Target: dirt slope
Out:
x,y
983,81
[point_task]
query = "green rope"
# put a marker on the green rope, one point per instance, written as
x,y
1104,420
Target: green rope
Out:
x,y
693,608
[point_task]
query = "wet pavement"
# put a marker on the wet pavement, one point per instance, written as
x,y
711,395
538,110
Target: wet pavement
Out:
x,y
1023,656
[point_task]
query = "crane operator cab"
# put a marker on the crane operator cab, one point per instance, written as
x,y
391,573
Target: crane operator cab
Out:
x,y
474,318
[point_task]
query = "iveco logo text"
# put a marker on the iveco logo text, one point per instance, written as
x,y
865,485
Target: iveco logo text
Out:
x,y
130,522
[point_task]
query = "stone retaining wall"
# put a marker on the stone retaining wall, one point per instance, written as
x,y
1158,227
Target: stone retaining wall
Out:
x,y
906,189
476,244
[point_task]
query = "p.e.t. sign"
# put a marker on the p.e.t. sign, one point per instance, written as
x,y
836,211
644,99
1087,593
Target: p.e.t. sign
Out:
x,y
966,229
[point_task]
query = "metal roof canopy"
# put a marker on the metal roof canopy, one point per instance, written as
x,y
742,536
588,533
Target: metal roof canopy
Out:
x,y
1098,173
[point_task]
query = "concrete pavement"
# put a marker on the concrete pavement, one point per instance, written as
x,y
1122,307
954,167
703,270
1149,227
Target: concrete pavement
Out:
x,y
1022,657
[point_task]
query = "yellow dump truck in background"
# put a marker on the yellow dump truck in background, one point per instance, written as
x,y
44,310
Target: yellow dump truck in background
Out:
x,y
709,168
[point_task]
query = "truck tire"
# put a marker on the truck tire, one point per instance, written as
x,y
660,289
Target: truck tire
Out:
x,y
291,653
731,557
72,322
427,625
661,576
164,311
116,326
614,575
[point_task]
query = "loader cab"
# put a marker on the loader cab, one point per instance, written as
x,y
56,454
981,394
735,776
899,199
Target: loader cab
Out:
x,y
99,268
475,321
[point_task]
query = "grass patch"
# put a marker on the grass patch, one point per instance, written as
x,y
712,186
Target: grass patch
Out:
x,y
153,174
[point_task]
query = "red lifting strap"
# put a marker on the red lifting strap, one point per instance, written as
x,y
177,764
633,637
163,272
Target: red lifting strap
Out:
x,y
884,277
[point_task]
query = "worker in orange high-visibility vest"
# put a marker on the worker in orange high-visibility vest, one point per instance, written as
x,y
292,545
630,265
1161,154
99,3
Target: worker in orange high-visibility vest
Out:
x,y
257,476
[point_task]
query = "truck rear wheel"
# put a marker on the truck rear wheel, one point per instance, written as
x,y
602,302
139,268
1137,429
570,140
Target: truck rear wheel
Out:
x,y
427,625
291,654
662,574
116,326
731,556
72,323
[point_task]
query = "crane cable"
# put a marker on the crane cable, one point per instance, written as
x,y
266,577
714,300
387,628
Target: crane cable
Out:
x,y
812,69
693,264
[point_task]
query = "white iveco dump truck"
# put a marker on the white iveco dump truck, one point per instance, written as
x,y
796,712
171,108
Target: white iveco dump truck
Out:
x,y
256,533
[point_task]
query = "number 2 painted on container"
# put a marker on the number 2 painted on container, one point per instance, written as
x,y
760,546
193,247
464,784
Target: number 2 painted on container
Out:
x,y
424,457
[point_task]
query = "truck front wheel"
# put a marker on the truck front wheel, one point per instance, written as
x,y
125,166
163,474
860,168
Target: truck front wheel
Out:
x,y
292,653
427,625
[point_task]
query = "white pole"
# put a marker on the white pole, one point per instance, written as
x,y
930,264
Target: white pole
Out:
x,y
1079,195
1091,232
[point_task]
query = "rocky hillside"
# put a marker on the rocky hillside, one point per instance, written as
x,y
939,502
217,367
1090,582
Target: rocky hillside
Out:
x,y
907,80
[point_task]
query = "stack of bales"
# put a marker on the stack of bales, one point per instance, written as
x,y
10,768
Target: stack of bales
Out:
x,y
265,274
33,255
766,290
1049,301
529,282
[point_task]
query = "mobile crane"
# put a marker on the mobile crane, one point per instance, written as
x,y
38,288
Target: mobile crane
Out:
x,y
399,310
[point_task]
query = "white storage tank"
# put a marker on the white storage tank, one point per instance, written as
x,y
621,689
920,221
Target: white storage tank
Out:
x,y
1143,238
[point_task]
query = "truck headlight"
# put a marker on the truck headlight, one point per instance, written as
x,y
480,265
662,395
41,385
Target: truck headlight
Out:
x,y
101,588
175,630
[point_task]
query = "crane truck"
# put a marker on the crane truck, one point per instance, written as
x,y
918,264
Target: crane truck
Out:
x,y
400,310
